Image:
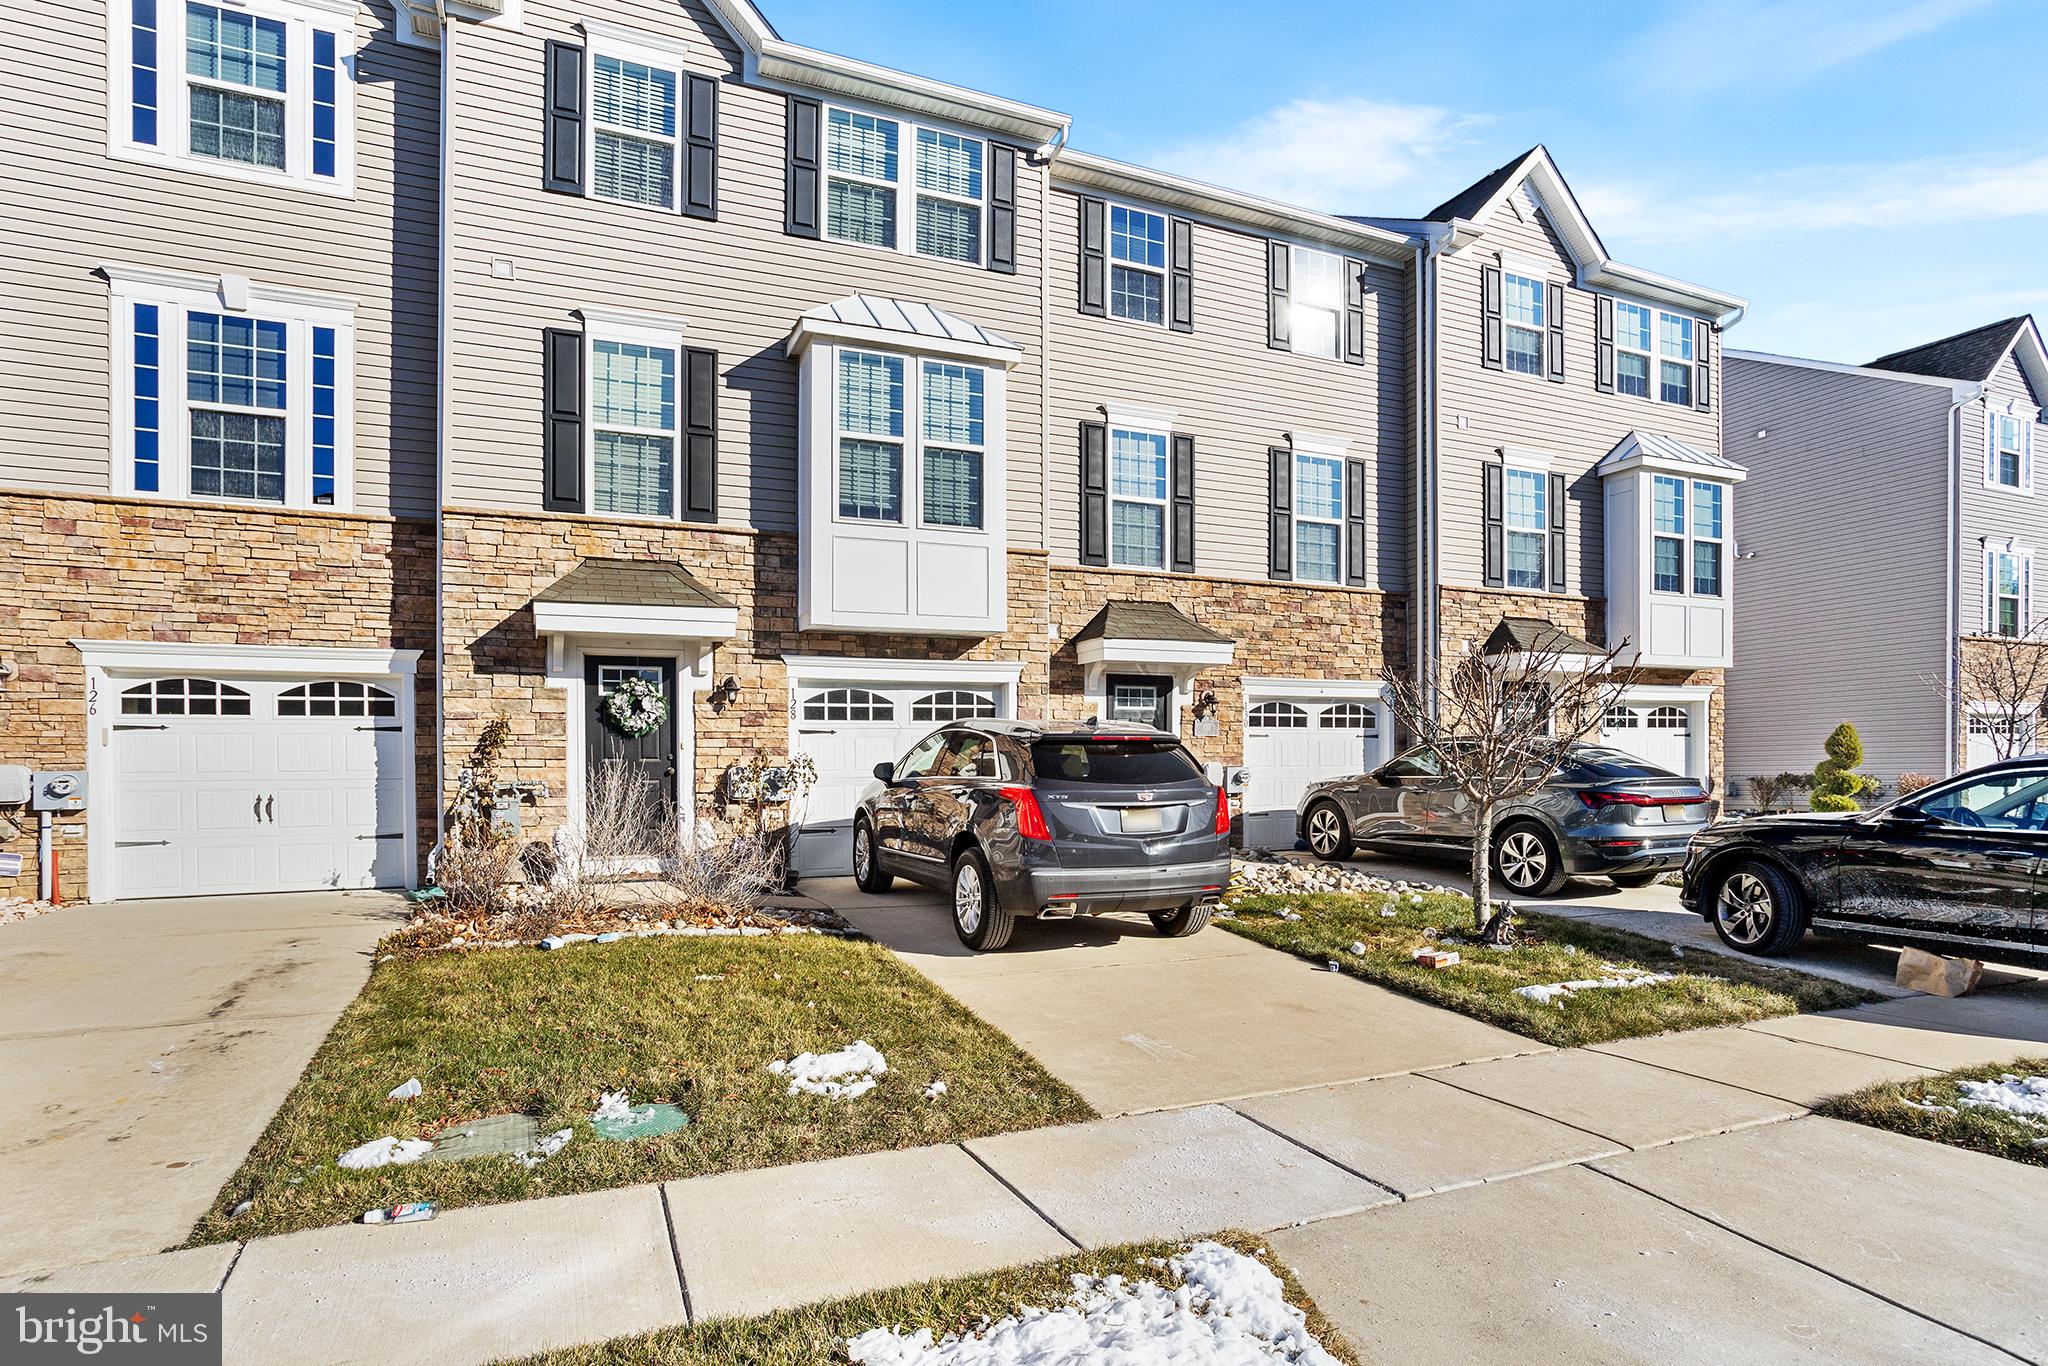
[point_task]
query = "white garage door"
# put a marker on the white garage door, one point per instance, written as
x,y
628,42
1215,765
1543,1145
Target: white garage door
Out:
x,y
1290,743
1656,735
226,785
848,728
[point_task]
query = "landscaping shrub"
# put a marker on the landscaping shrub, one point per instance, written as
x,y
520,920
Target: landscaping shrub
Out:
x,y
1773,791
1909,783
1836,783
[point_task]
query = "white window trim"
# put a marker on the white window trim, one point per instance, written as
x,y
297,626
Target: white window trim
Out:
x,y
1688,538
1110,264
2024,556
601,325
905,184
1993,419
177,295
1518,460
1295,251
173,130
1658,359
602,40
1516,270
1164,432
1649,353
1298,518
913,442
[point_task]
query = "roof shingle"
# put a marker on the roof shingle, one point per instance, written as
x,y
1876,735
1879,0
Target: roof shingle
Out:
x,y
1124,620
1968,356
632,583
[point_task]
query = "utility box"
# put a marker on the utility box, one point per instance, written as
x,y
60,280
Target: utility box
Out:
x,y
57,791
13,784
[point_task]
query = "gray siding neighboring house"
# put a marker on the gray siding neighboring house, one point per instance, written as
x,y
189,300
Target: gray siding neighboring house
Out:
x,y
1877,511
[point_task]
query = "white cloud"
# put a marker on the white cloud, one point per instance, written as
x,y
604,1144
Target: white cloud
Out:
x,y
1720,44
1935,192
1339,155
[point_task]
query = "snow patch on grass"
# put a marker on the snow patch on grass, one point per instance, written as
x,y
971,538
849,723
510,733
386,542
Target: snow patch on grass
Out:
x,y
1229,1310
2024,1098
384,1152
826,1074
1556,993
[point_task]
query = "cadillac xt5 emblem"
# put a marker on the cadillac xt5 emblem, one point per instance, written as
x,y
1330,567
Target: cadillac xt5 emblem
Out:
x,y
1146,796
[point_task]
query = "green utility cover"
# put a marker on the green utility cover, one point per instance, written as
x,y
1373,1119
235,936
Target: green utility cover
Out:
x,y
493,1135
648,1121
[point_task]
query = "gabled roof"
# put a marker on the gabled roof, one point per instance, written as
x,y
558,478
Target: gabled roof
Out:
x,y
1970,356
632,583
912,323
1125,620
1462,219
1656,450
1535,636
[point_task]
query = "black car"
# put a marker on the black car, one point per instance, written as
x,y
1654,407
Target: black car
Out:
x,y
1603,812
1045,820
1960,867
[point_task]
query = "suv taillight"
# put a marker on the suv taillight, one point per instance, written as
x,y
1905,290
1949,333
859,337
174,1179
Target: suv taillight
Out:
x,y
1596,800
1222,812
1030,820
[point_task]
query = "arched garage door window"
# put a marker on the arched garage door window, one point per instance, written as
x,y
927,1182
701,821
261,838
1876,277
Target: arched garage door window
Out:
x,y
1278,716
953,704
848,704
184,697
336,697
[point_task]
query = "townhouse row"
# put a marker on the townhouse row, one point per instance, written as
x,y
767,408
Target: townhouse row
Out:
x,y
381,373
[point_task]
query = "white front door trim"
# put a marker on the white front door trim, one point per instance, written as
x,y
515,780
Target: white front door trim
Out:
x,y
565,670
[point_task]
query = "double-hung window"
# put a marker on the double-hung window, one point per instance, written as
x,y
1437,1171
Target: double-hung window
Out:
x,y
634,123
1522,313
1137,265
243,402
255,89
1525,516
886,461
1316,303
1632,341
1318,518
873,165
633,385
2009,461
1137,498
1674,364
2008,575
1686,536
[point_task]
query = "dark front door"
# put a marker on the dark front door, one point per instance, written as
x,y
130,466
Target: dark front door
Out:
x,y
1136,697
630,777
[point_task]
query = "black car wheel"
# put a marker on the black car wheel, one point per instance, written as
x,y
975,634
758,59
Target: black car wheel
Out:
x,y
1329,838
867,870
1634,879
1183,922
1758,910
1526,858
978,915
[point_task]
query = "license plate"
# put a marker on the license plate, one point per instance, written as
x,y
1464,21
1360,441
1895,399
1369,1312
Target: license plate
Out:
x,y
1144,820
1677,815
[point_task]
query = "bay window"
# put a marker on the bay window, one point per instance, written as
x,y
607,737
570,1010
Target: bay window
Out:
x,y
259,90
1522,313
1686,535
870,425
1137,265
1525,514
879,452
1137,499
873,165
955,444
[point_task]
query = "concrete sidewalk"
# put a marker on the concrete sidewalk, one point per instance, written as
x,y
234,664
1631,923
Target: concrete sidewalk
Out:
x,y
145,1045
1656,1199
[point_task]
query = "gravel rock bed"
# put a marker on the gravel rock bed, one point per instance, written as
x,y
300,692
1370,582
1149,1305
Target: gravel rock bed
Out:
x,y
1255,872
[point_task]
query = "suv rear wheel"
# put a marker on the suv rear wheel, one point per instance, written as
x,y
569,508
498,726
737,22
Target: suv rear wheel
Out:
x,y
1329,838
1758,910
1526,858
867,872
978,915
1183,922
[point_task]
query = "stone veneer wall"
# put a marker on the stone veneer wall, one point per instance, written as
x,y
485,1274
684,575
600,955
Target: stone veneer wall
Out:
x,y
497,563
120,569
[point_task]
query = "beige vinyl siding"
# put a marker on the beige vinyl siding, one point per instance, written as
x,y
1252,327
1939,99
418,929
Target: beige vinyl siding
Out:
x,y
1996,513
739,281
1236,396
1482,410
1841,526
71,206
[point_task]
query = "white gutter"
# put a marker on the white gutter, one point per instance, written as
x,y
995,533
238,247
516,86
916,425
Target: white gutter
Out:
x,y
443,410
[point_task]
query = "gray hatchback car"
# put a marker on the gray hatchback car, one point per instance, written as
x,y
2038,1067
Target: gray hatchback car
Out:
x,y
1027,819
1604,812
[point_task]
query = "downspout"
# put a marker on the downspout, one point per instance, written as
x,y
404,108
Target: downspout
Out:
x,y
1045,156
1427,607
443,408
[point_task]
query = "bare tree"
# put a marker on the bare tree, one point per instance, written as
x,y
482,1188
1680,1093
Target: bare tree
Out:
x,y
1500,725
2004,680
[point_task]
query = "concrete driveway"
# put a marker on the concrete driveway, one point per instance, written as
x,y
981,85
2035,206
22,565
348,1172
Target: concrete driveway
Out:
x,y
143,1048
1138,1022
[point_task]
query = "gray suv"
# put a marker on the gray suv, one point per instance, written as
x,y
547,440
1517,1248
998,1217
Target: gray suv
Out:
x,y
1604,812
1047,821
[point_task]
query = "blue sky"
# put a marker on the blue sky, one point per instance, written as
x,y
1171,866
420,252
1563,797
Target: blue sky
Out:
x,y
1870,173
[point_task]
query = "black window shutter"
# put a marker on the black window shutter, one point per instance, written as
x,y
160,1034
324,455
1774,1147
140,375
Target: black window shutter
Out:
x,y
1180,284
561,383
562,139
700,147
1094,493
1557,533
700,436
1354,311
1492,341
1183,490
803,156
1354,523
1554,316
1094,257
1493,555
1603,344
1280,513
1002,209
1279,321
1702,364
